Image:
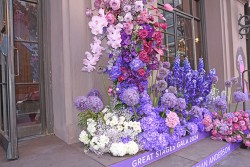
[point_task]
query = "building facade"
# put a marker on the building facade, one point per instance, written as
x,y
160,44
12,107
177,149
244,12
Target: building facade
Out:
x,y
42,45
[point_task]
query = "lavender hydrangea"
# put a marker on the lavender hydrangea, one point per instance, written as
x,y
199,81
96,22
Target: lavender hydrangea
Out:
x,y
196,111
82,103
130,97
192,128
180,104
180,131
149,123
95,103
168,100
220,104
240,97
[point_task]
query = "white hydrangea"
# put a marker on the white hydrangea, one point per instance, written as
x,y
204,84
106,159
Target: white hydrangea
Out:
x,y
107,116
120,128
105,110
91,128
83,137
92,122
132,148
114,121
136,126
121,120
118,149
104,139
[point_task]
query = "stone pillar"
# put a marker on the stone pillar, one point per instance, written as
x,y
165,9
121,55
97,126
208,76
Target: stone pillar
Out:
x,y
70,38
223,39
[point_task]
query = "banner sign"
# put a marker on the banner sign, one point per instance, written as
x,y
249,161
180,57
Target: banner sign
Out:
x,y
218,155
152,156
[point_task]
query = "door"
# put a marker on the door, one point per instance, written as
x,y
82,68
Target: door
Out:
x,y
8,133
27,67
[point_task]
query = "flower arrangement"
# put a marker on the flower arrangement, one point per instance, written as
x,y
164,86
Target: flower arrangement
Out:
x,y
144,112
225,125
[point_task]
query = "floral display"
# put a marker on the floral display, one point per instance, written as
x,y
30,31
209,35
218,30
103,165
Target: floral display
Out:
x,y
231,126
151,104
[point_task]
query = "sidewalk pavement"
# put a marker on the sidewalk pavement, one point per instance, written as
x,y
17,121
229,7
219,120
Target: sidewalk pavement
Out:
x,y
50,151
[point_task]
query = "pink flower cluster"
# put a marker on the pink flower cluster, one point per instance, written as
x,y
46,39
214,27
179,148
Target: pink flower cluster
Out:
x,y
232,127
172,120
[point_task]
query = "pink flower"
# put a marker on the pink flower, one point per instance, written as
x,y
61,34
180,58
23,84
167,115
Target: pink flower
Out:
x,y
168,7
110,18
236,126
138,6
235,119
242,123
230,132
207,120
128,17
127,8
238,137
244,128
143,34
237,113
229,139
141,72
172,119
143,56
214,132
215,114
89,12
247,143
115,4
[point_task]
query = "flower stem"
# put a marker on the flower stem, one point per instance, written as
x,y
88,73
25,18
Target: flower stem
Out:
x,y
136,116
154,97
236,107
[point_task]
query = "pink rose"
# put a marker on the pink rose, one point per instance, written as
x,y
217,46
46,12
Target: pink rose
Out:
x,y
143,56
236,126
237,113
247,143
143,34
168,7
242,123
164,26
240,118
229,139
110,18
238,137
115,4
235,119
141,72
148,46
138,6
215,114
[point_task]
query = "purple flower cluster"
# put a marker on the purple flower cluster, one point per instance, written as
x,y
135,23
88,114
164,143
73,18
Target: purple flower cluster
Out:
x,y
220,104
130,97
95,103
240,97
168,100
82,103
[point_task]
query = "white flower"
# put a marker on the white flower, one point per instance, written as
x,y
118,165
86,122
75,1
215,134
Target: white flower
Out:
x,y
132,148
91,129
83,137
114,121
128,17
107,116
104,139
96,147
115,4
118,149
98,23
138,6
136,126
92,122
126,125
120,128
114,35
101,145
105,110
121,119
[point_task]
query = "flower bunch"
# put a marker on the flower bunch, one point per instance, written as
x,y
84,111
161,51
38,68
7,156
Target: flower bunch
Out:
x,y
232,127
114,133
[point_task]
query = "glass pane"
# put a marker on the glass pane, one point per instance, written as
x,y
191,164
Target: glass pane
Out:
x,y
28,105
25,21
184,27
170,21
196,8
28,62
183,5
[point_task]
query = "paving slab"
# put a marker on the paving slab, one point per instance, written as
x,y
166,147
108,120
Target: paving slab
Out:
x,y
48,151
200,150
240,158
172,160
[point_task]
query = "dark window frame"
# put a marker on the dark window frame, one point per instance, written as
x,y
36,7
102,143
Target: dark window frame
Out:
x,y
200,19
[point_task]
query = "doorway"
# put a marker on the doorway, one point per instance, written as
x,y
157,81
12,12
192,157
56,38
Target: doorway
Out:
x,y
22,106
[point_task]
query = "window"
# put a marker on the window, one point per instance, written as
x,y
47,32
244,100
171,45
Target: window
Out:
x,y
183,36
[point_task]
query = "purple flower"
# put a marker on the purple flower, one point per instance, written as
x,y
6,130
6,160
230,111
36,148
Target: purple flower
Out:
x,y
196,111
95,103
220,104
240,97
136,64
126,139
168,100
234,80
181,104
172,89
82,103
94,92
192,128
163,72
166,65
228,84
180,131
149,123
115,72
161,85
130,97
215,79
148,109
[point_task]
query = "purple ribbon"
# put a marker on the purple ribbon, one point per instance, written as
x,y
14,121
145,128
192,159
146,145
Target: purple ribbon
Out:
x,y
218,155
152,156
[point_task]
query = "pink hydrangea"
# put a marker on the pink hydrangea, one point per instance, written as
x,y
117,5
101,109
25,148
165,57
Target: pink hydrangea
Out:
x,y
172,119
